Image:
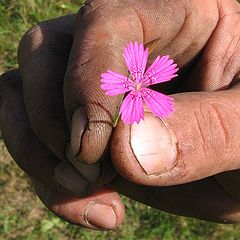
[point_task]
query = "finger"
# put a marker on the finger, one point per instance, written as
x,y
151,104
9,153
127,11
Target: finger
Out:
x,y
27,150
199,140
50,43
204,199
43,55
218,67
101,211
24,147
96,50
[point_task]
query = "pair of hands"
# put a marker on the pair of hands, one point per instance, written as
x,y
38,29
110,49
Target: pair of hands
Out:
x,y
57,123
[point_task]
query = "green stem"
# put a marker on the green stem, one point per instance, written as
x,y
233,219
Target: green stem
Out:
x,y
117,115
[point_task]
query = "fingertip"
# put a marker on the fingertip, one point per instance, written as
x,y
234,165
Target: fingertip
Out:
x,y
90,133
94,144
144,153
101,211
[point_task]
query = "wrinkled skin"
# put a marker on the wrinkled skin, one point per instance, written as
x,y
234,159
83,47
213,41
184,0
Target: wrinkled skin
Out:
x,y
60,63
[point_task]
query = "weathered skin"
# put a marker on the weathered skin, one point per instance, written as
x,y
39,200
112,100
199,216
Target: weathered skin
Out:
x,y
59,72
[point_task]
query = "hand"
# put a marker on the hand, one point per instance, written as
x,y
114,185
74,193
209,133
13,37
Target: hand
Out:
x,y
102,210
57,183
36,38
203,39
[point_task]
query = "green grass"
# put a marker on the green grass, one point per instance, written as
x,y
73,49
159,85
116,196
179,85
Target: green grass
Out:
x,y
22,216
18,16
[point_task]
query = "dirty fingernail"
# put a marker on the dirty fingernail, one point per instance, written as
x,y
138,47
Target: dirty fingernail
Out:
x,y
78,125
91,172
100,216
68,178
154,145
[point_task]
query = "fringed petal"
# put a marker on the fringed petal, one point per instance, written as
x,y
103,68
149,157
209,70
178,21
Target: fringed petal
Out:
x,y
136,59
160,105
114,83
163,69
132,108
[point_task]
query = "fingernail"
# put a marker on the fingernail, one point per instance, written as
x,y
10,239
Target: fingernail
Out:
x,y
78,125
68,178
100,216
154,145
91,172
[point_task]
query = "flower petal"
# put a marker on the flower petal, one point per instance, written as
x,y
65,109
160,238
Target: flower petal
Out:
x,y
132,108
136,59
161,105
162,70
114,83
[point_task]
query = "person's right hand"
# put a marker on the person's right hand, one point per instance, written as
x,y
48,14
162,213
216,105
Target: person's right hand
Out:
x,y
200,141
195,38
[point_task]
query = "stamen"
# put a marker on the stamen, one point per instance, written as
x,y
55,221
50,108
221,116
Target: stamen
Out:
x,y
137,73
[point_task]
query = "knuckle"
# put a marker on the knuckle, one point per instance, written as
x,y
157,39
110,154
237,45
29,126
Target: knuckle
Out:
x,y
105,9
212,127
30,34
32,31
85,9
92,5
32,39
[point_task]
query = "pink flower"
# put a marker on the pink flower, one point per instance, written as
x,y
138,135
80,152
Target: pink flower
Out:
x,y
161,70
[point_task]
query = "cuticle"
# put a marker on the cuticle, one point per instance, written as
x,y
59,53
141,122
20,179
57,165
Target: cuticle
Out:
x,y
92,203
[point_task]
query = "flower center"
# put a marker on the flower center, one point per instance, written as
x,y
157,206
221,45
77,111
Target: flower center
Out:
x,y
138,86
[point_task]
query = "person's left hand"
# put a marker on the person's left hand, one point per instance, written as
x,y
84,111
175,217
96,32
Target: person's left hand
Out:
x,y
35,131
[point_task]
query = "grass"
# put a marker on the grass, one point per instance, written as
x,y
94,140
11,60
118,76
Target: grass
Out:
x,y
22,216
18,16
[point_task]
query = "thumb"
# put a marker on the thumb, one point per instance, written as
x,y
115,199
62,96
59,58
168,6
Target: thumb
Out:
x,y
200,139
97,46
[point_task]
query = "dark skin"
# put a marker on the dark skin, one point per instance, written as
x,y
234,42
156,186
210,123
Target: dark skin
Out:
x,y
60,64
